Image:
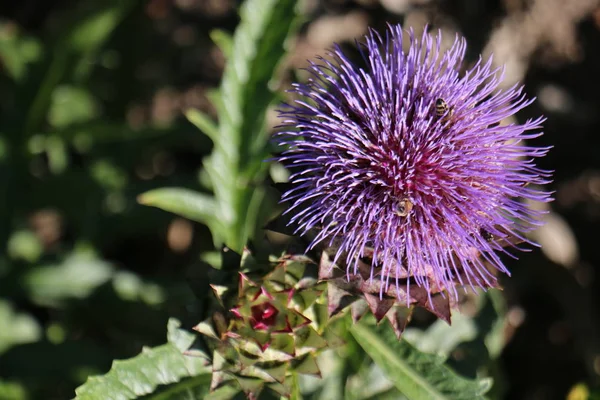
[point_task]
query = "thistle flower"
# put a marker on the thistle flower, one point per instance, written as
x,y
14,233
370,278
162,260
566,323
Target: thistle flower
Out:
x,y
404,163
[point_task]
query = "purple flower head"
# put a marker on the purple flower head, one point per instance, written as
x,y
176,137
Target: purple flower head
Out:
x,y
405,162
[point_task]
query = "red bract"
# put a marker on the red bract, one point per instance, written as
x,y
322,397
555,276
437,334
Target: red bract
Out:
x,y
263,316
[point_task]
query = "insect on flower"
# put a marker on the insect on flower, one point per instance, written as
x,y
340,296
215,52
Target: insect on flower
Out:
x,y
487,236
404,208
442,110
428,201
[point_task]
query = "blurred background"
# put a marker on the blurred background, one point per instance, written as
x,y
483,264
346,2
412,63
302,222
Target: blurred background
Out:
x,y
91,102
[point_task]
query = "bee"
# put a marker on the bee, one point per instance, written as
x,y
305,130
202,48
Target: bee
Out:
x,y
506,239
486,235
442,110
403,208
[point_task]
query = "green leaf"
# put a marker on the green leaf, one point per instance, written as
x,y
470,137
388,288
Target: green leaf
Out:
x,y
93,29
70,105
478,339
225,392
189,389
417,375
237,166
16,328
17,51
223,40
57,154
491,322
143,374
12,391
187,203
258,46
295,394
129,286
204,123
76,277
441,338
369,383
24,245
180,338
85,35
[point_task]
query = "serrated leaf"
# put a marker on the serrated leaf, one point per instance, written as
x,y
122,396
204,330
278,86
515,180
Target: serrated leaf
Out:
x,y
191,388
258,45
236,167
141,375
417,375
182,339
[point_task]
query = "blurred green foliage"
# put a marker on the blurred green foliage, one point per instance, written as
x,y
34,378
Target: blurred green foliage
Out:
x,y
103,106
236,169
86,274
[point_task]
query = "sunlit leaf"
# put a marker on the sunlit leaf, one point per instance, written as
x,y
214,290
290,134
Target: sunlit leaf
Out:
x,y
16,328
12,391
93,29
17,50
237,166
441,338
86,34
130,286
56,150
417,375
25,245
143,374
187,203
204,123
492,317
477,339
70,105
76,277
258,45
223,40
108,175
